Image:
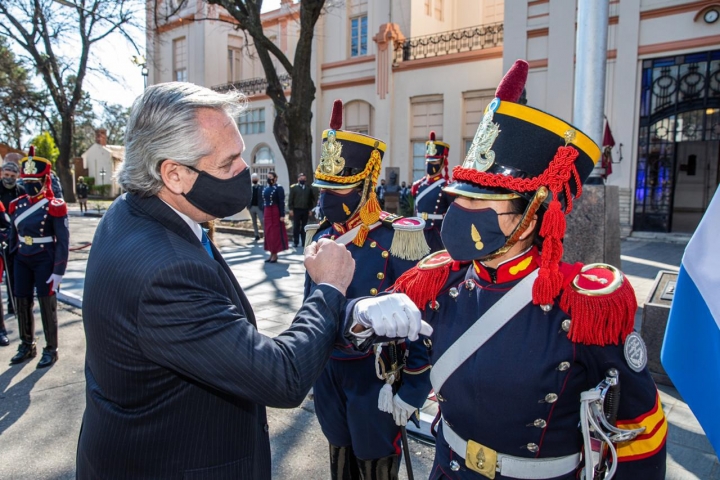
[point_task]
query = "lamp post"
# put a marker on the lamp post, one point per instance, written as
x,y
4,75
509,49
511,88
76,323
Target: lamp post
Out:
x,y
141,62
102,176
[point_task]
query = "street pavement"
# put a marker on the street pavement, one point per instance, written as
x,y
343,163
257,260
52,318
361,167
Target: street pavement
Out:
x,y
41,410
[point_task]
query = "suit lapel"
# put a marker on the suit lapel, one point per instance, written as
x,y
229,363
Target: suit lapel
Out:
x,y
165,215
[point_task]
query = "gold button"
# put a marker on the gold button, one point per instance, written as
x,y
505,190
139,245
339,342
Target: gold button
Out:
x,y
385,254
373,244
373,291
551,398
380,275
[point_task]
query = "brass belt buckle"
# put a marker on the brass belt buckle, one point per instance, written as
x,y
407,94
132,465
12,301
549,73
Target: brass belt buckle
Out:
x,y
424,215
481,459
28,240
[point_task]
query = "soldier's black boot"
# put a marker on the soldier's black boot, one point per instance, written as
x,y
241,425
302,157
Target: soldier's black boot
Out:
x,y
26,330
385,468
48,312
343,464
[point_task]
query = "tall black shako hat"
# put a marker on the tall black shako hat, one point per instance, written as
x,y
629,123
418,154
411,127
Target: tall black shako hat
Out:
x,y
436,151
351,159
36,168
521,151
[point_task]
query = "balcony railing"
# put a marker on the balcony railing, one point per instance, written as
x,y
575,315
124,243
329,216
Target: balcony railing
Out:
x,y
252,86
456,41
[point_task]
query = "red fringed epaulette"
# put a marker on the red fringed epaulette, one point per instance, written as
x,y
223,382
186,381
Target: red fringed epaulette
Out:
x,y
57,207
2,208
601,303
424,282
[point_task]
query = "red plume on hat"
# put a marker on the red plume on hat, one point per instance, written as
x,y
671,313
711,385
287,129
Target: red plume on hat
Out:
x,y
31,151
337,115
512,84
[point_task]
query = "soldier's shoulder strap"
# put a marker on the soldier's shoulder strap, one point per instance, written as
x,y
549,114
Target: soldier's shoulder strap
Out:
x,y
424,282
312,228
57,207
601,304
408,241
14,204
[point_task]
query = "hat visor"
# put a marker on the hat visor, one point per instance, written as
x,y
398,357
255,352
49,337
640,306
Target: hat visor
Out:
x,y
334,186
470,190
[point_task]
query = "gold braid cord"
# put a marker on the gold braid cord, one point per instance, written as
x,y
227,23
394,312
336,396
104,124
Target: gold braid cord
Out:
x,y
373,166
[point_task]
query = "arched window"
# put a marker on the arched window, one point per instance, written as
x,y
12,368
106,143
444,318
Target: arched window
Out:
x,y
263,161
358,117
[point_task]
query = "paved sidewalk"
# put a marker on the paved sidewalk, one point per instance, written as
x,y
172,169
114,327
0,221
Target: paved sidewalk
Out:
x,y
40,411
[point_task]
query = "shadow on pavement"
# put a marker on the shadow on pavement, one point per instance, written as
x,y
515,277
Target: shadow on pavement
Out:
x,y
16,399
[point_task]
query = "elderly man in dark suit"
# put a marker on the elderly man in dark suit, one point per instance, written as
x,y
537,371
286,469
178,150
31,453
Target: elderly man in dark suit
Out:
x,y
177,373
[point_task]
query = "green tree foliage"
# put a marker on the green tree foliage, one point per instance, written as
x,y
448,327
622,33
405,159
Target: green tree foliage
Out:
x,y
45,147
114,119
20,102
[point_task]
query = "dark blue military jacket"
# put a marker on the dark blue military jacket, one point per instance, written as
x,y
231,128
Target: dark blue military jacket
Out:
x,y
376,269
519,394
434,202
40,224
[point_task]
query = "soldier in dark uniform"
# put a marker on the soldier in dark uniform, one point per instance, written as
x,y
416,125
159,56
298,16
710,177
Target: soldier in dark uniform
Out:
x,y
526,347
365,441
40,238
5,231
431,202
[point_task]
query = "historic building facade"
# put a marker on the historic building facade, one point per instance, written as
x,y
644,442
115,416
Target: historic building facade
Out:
x,y
406,67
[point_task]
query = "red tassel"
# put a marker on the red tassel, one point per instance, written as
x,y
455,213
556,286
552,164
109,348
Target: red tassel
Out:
x,y
600,320
31,151
422,286
550,281
432,136
337,114
512,84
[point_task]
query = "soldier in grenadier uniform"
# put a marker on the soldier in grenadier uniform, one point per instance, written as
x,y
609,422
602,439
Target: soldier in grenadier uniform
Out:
x,y
431,202
536,366
5,231
40,238
355,387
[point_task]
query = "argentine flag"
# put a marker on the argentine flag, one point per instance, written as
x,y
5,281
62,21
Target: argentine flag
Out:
x,y
691,349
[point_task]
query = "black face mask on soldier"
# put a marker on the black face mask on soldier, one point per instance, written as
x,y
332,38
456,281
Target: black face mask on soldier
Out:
x,y
33,188
270,181
218,197
432,168
471,234
338,208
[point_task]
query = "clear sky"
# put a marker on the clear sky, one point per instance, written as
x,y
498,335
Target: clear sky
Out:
x,y
116,54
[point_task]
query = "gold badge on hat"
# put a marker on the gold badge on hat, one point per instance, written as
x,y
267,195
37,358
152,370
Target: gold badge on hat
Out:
x,y
480,155
431,149
476,237
331,163
30,167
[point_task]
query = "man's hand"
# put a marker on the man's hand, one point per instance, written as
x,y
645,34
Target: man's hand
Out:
x,y
54,282
331,263
391,316
401,411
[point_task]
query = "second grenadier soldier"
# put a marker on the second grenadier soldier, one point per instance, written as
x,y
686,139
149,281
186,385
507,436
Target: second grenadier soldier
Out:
x,y
431,201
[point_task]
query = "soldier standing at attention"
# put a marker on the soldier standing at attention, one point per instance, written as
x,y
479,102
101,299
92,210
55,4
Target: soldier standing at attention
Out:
x,y
362,399
40,239
301,200
526,347
431,202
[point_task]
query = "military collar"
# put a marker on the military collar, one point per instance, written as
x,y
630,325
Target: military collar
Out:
x,y
352,222
510,270
36,199
433,179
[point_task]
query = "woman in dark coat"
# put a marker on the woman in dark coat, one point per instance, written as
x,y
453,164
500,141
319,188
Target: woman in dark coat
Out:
x,y
276,239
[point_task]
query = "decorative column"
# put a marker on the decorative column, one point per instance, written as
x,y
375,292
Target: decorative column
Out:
x,y
387,38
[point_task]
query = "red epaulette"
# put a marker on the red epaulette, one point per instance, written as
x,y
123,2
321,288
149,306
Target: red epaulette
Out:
x,y
2,208
425,281
601,304
415,187
13,205
57,207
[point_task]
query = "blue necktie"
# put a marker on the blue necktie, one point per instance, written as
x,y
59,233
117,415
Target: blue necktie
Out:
x,y
206,243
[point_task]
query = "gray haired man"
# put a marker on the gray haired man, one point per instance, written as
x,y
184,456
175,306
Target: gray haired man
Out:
x,y
256,205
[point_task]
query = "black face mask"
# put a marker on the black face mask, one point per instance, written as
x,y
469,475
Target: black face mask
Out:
x,y
301,182
270,181
432,168
9,182
255,182
33,188
339,208
471,234
220,198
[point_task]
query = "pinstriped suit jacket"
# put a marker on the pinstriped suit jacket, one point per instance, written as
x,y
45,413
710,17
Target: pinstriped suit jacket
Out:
x,y
177,374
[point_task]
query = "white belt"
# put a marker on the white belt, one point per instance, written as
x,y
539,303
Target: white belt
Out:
x,y
30,240
518,467
431,216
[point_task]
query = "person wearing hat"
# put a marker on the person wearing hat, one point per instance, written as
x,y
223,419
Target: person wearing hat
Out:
x,y
301,200
431,201
5,232
354,394
40,240
525,347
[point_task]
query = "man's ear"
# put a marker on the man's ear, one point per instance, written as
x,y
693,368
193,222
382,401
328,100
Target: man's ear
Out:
x,y
528,231
172,174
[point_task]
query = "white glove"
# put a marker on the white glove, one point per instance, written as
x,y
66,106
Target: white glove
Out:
x,y
391,316
401,411
54,282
